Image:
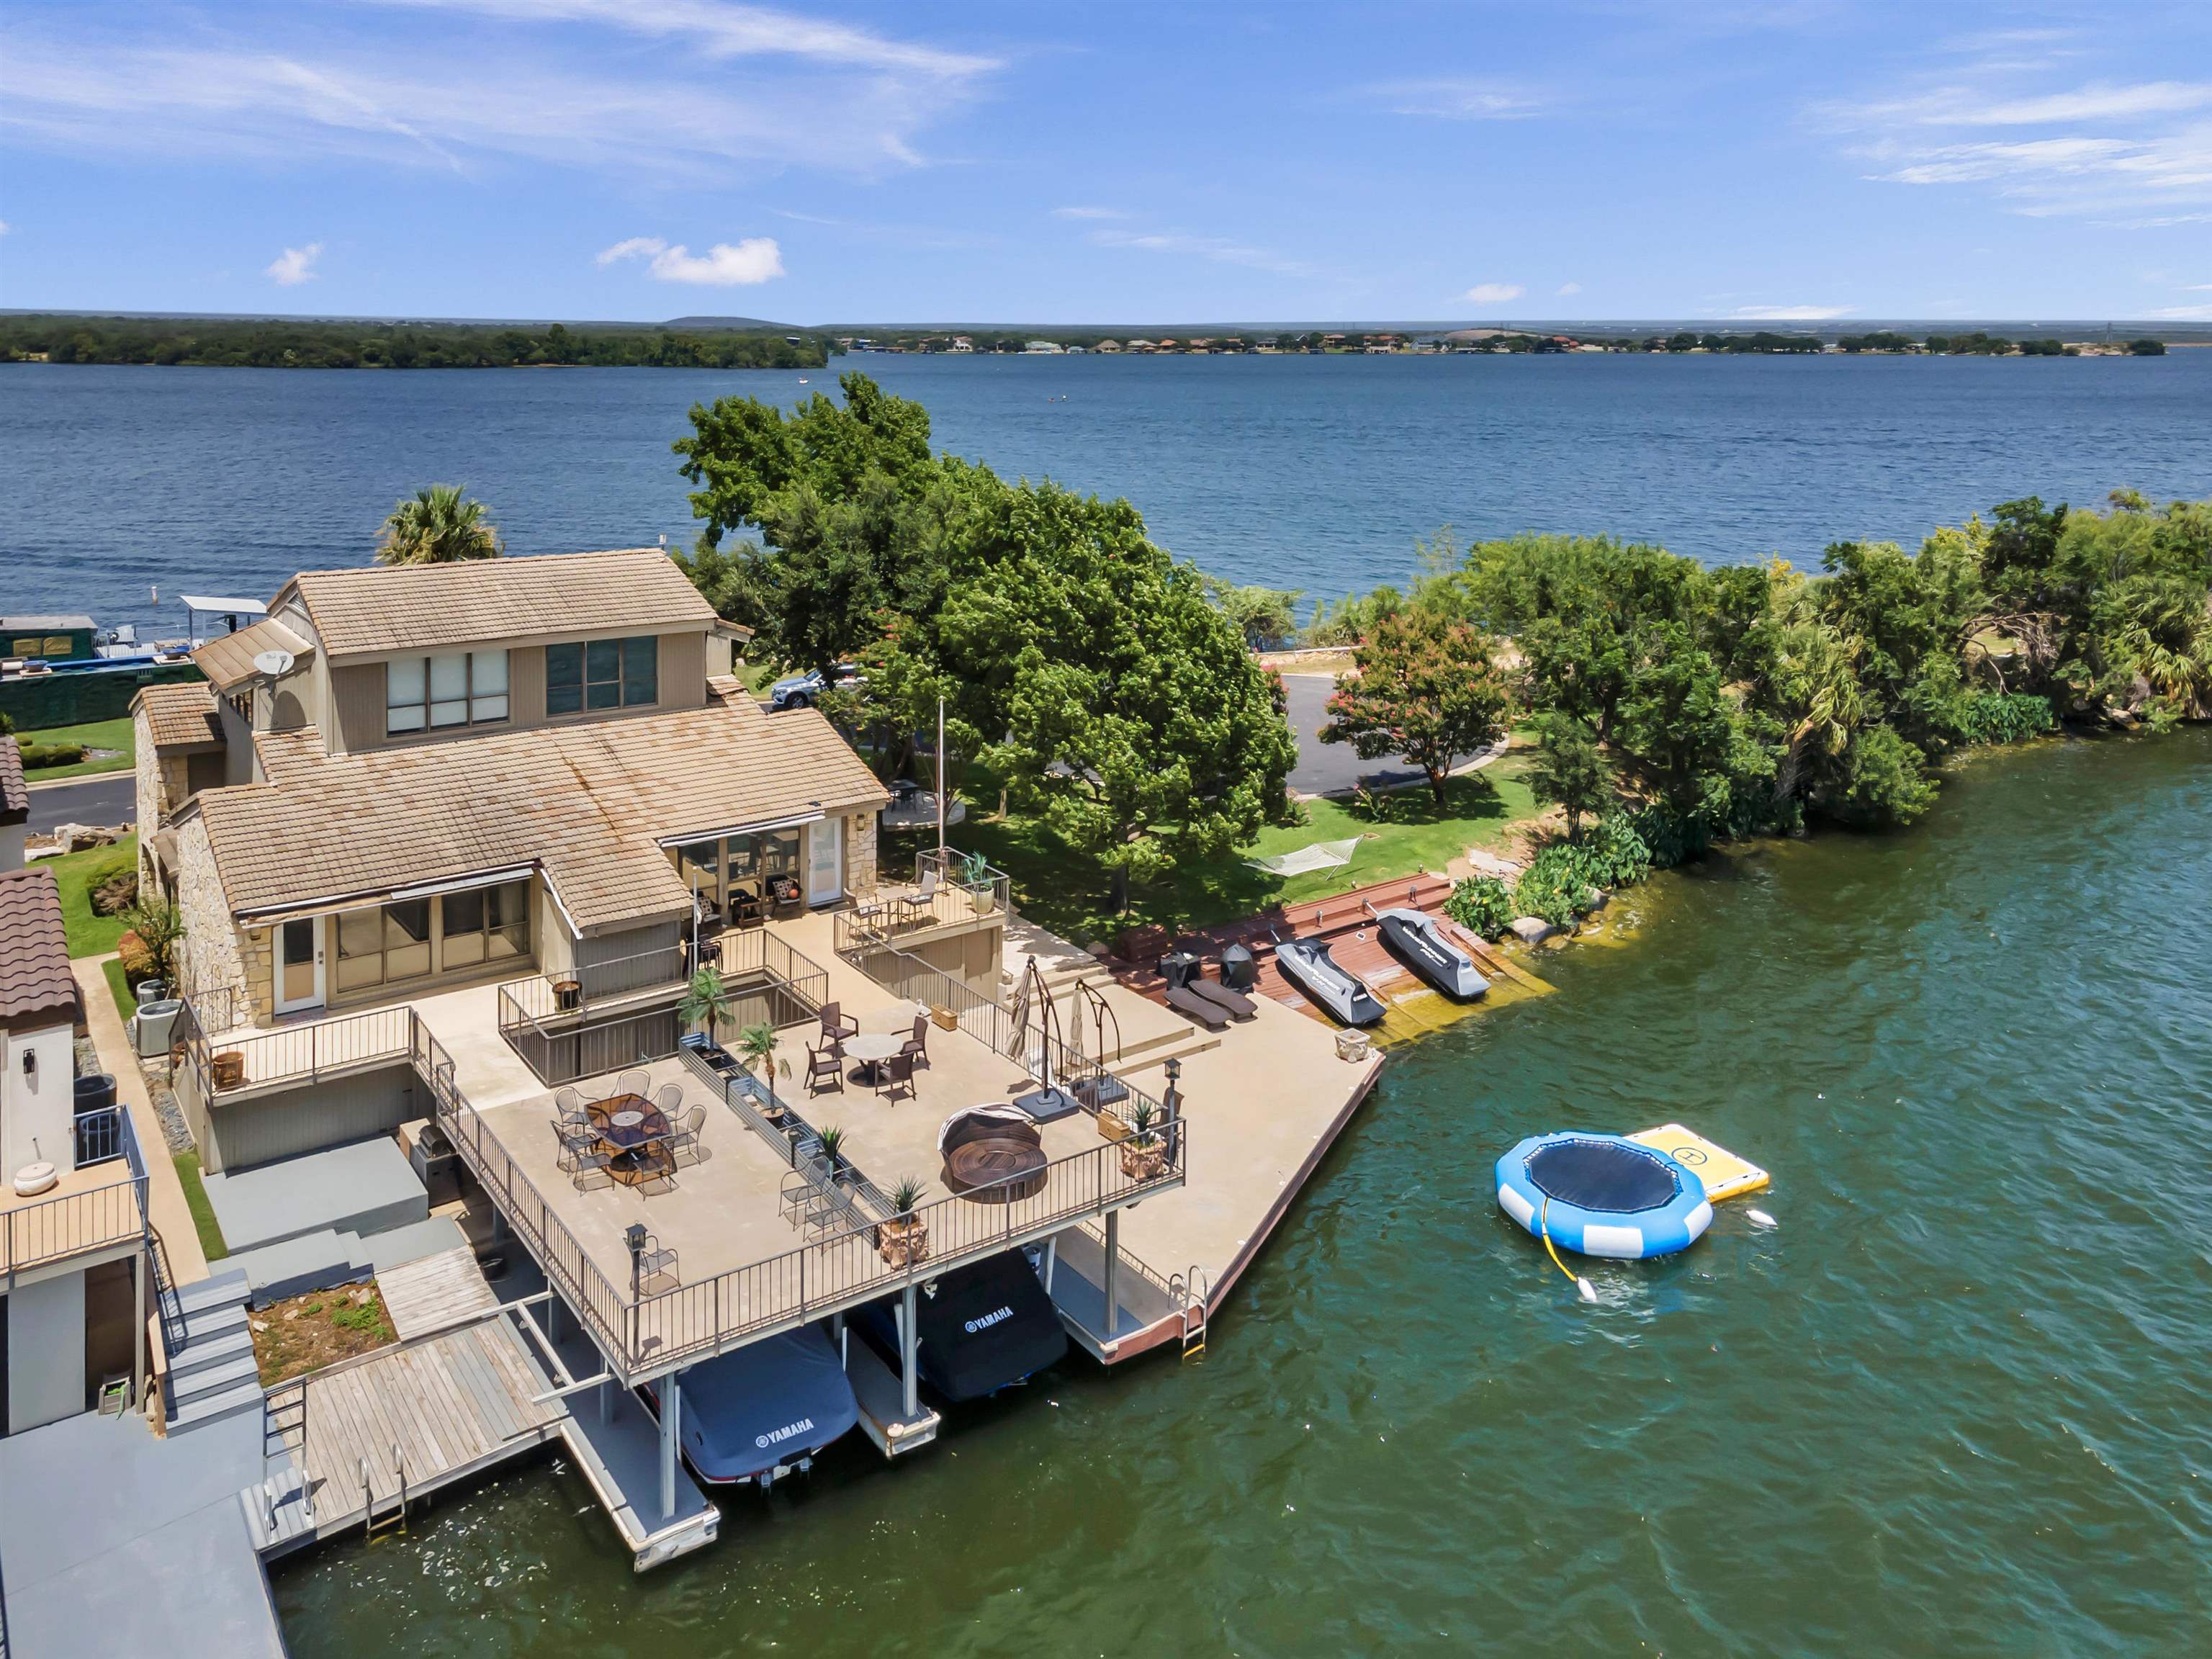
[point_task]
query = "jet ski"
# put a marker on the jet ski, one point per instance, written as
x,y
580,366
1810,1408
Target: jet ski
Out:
x,y
1307,962
757,1412
1421,945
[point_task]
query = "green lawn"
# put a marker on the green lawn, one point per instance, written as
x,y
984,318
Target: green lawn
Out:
x,y
195,1201
119,988
90,935
99,734
1067,894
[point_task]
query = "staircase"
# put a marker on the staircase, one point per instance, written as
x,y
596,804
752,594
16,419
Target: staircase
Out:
x,y
211,1373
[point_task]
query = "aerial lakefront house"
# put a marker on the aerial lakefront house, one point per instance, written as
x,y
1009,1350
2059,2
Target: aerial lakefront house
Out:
x,y
408,779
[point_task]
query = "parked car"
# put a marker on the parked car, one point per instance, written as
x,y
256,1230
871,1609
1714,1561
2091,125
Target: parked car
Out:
x,y
804,691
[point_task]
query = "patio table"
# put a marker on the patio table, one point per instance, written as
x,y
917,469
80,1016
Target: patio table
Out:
x,y
636,1133
872,1050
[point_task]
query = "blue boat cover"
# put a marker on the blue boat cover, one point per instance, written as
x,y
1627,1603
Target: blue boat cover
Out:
x,y
780,1400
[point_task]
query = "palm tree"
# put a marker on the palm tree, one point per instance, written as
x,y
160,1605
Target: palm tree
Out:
x,y
706,1001
438,525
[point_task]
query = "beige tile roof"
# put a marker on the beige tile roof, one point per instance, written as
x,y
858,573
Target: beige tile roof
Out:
x,y
14,796
180,716
228,662
35,985
377,610
585,801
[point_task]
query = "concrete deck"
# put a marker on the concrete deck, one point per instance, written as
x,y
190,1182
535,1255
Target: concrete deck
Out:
x,y
165,1192
366,1187
113,1541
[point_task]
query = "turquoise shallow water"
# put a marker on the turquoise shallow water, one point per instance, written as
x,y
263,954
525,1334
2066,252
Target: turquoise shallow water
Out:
x,y
1955,1403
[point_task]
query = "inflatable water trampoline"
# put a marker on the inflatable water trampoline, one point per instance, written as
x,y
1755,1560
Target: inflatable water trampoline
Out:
x,y
1603,1196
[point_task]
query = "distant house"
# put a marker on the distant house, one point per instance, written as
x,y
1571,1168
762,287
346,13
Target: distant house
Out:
x,y
1169,345
962,343
1142,345
1107,347
1043,349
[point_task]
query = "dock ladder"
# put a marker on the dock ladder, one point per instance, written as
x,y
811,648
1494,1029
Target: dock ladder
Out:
x,y
1192,1290
394,1519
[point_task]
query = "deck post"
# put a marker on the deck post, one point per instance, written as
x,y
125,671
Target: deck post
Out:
x,y
1113,1274
138,1327
909,1395
671,1414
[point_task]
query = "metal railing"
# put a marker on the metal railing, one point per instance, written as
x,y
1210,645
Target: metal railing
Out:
x,y
758,951
297,1054
74,1222
97,1134
568,1049
966,891
565,992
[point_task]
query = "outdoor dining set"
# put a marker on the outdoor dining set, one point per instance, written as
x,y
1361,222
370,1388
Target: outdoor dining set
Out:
x,y
629,1138
886,1061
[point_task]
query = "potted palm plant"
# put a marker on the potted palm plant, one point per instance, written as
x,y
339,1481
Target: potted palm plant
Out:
x,y
832,1139
1144,1154
904,1239
756,1048
706,1001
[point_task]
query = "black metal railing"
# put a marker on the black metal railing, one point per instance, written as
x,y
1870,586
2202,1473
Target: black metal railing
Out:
x,y
560,993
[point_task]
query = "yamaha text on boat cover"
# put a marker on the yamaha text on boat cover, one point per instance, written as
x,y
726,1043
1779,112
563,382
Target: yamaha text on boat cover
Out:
x,y
989,1327
759,1411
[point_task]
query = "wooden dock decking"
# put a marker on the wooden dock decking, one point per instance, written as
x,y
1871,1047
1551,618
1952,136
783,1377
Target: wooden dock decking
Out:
x,y
445,1406
436,1292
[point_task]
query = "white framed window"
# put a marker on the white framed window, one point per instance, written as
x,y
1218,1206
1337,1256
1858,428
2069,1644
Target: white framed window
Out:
x,y
454,688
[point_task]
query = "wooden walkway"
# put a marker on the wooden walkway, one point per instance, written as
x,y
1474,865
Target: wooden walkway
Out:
x,y
435,1293
446,1407
1342,920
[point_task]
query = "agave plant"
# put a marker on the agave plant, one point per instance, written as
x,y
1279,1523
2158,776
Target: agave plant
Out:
x,y
832,1139
1144,1122
905,1195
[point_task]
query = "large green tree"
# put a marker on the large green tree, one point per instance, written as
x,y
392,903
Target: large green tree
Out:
x,y
1425,688
436,526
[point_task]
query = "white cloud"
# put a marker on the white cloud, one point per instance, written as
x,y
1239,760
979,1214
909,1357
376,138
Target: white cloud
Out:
x,y
742,264
1972,106
4,227
570,90
2185,313
1450,99
1789,313
1088,213
1219,249
1569,287
296,266
1493,294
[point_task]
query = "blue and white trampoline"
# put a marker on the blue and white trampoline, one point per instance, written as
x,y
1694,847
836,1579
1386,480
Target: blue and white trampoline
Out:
x,y
1603,1196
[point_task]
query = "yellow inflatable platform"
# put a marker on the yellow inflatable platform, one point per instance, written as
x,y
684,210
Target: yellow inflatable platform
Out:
x,y
1725,1175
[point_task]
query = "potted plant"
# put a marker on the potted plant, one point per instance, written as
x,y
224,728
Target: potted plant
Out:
x,y
756,1047
1144,1154
706,1001
976,877
831,1140
904,1239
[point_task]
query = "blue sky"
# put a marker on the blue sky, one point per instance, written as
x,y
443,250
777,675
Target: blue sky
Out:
x,y
1122,163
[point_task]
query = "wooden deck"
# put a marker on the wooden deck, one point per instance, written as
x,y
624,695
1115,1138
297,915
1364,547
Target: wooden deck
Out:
x,y
435,1293
1341,921
446,1406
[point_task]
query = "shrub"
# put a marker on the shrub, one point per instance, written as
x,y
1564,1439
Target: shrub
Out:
x,y
2002,717
156,927
1612,854
1482,905
136,960
113,888
36,754
1670,837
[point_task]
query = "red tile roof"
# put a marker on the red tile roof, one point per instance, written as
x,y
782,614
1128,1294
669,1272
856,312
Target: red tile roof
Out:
x,y
36,987
14,799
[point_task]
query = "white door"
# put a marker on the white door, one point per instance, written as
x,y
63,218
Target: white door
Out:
x,y
825,861
300,965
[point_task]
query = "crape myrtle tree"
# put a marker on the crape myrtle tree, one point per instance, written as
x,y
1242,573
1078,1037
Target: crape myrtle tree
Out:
x,y
1425,688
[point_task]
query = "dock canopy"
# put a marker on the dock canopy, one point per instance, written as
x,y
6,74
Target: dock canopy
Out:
x,y
987,1328
774,1403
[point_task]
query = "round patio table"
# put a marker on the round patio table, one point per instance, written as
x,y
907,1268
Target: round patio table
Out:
x,y
635,1132
872,1050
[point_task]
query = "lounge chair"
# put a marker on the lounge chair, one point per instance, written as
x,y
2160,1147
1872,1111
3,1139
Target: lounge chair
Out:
x,y
823,1065
1235,1004
1208,1013
915,1050
834,1025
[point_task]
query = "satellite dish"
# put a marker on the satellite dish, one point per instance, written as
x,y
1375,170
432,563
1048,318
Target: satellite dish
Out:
x,y
275,664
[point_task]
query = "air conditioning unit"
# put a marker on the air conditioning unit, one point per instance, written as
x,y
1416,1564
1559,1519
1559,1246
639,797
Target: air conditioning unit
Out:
x,y
153,1027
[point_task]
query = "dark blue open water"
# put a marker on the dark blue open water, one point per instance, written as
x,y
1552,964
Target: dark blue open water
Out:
x,y
1314,473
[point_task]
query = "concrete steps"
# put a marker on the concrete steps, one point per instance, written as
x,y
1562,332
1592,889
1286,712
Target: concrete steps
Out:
x,y
211,1374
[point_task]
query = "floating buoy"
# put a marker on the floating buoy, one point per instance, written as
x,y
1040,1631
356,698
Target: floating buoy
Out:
x,y
1762,1218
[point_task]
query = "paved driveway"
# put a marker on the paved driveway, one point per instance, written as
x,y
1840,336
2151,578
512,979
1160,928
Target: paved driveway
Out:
x,y
107,797
1326,768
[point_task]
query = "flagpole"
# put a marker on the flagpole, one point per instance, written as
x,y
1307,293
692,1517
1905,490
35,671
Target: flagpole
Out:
x,y
940,789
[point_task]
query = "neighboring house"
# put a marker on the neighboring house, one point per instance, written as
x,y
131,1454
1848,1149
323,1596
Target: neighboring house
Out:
x,y
47,639
412,778
72,1234
15,806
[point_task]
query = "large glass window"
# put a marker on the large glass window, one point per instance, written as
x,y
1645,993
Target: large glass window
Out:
x,y
739,868
455,687
378,946
485,924
603,674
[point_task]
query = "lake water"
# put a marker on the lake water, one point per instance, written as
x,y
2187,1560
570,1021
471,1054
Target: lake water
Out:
x,y
1953,1403
1313,473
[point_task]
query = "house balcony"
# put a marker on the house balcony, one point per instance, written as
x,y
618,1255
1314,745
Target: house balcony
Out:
x,y
952,915
97,1209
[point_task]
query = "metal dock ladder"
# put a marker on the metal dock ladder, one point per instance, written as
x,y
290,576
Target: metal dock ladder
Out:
x,y
393,1520
1192,1290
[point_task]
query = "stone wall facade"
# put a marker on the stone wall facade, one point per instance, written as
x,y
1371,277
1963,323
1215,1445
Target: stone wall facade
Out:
x,y
860,853
214,955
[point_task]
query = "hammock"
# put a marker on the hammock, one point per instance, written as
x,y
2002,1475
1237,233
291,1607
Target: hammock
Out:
x,y
1321,855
